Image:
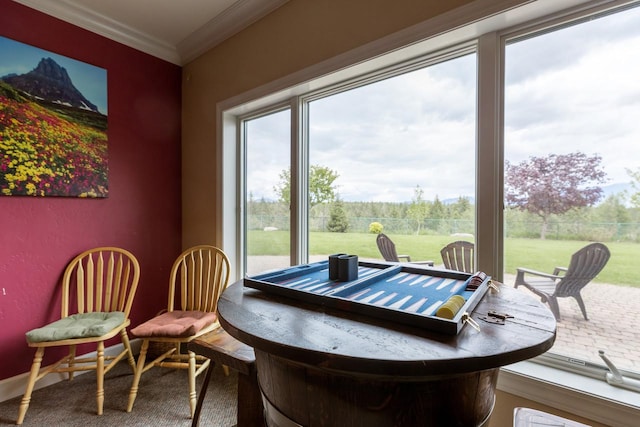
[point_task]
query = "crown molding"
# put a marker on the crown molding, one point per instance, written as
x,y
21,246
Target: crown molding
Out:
x,y
234,19
89,20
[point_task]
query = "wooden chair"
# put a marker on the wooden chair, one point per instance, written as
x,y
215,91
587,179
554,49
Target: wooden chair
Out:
x,y
388,250
198,277
103,283
566,282
459,256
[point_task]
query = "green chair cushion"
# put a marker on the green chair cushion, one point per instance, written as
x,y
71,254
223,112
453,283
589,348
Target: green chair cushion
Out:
x,y
80,325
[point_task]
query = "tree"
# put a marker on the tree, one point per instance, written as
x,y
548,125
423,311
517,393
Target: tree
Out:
x,y
554,184
321,188
612,210
338,222
418,210
283,189
635,184
459,208
436,213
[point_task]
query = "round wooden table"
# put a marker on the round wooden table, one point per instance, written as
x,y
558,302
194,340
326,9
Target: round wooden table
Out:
x,y
327,367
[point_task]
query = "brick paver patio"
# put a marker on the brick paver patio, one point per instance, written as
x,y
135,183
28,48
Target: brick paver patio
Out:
x,y
614,313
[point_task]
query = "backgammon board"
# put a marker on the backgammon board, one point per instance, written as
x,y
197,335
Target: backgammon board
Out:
x,y
405,293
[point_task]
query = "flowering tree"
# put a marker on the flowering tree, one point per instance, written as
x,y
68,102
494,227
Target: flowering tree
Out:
x,y
554,184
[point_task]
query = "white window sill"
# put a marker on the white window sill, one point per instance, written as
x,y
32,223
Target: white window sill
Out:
x,y
577,394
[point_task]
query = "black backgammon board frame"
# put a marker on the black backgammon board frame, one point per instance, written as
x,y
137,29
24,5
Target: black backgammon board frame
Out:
x,y
375,273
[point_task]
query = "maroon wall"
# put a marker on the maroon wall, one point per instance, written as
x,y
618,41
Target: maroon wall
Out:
x,y
38,236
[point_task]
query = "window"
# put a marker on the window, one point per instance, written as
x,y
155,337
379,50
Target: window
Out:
x,y
267,142
569,87
402,151
572,102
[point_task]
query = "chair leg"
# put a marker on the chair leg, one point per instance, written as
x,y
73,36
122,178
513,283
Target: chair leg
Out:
x,y
583,308
72,361
127,345
555,308
33,377
137,374
100,377
519,279
192,382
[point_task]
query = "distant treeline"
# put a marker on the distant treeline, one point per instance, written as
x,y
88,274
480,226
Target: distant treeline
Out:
x,y
611,220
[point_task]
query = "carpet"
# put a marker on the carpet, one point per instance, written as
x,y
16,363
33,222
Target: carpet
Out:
x,y
162,401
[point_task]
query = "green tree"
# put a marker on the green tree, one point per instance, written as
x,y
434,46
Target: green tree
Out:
x,y
634,198
321,189
612,210
459,208
283,189
338,222
436,212
418,210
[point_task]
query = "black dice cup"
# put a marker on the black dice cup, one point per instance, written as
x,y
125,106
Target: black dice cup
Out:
x,y
334,269
347,268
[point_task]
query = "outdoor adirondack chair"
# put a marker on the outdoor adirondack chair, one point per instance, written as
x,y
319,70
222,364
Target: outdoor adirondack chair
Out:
x,y
388,250
458,256
566,282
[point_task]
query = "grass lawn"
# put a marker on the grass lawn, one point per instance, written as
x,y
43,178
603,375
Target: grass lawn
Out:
x,y
542,255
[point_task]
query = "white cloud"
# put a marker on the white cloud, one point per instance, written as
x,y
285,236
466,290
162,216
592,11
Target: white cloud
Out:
x,y
591,104
384,139
572,90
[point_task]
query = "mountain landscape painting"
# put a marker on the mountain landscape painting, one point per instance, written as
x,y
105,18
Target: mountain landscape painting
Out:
x,y
53,124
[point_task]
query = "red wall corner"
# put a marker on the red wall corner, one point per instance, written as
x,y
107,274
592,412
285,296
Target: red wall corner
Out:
x,y
142,213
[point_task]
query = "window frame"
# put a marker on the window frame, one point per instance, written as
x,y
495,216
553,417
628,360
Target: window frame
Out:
x,y
488,25
242,121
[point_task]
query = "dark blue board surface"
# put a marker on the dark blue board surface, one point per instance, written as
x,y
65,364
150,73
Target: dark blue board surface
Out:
x,y
400,293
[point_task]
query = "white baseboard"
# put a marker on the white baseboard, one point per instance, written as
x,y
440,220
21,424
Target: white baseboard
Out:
x,y
15,386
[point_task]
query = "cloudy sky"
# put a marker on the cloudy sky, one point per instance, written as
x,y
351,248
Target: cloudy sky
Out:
x,y
575,89
20,58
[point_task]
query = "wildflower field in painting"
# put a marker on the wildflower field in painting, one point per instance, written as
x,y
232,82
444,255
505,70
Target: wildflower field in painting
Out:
x,y
48,149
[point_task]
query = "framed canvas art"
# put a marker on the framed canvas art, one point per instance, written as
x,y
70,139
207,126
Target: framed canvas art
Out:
x,y
53,124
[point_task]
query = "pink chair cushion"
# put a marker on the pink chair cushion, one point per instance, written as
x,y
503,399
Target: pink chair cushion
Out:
x,y
175,324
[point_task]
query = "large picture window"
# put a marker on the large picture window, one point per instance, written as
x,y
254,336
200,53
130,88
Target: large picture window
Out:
x,y
522,141
572,102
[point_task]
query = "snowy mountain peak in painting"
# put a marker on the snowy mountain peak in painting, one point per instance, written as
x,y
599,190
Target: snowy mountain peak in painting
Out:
x,y
50,82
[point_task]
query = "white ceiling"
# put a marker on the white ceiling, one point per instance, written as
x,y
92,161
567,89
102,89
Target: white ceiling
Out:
x,y
177,31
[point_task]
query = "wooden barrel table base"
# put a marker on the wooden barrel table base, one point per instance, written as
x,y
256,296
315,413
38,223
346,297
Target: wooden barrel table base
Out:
x,y
303,395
